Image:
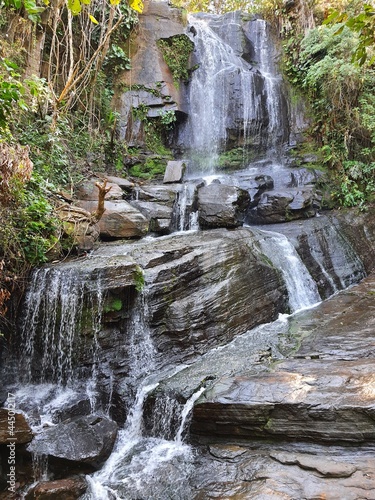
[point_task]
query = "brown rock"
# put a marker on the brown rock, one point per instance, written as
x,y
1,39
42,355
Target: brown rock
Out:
x,y
22,431
63,489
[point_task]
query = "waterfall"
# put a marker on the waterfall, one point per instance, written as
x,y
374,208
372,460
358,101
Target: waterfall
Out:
x,y
222,87
233,101
302,289
146,467
52,322
185,215
265,55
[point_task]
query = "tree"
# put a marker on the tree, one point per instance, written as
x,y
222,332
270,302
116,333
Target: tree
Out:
x,y
363,24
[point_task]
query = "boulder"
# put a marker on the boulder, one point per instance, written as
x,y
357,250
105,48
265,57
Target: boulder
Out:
x,y
281,206
78,224
124,184
303,177
162,194
21,431
62,489
120,220
87,441
174,172
89,192
221,206
158,215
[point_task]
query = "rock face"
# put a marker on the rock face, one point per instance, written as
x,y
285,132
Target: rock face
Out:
x,y
78,225
296,415
323,395
151,76
174,172
86,441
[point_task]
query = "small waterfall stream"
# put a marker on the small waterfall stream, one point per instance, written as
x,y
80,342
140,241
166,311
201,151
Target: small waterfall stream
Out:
x,y
302,289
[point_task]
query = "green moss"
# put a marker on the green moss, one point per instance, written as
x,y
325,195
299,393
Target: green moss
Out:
x,y
176,52
234,159
113,305
152,168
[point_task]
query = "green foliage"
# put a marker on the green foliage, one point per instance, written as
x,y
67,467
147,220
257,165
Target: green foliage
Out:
x,y
156,128
342,104
139,279
116,60
33,9
363,24
234,159
176,52
153,167
11,90
113,305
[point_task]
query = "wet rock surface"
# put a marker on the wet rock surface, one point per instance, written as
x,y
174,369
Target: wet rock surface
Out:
x,y
83,441
63,489
275,434
21,431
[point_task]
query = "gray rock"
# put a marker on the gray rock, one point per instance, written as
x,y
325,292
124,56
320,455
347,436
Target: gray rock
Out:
x,y
158,215
89,192
78,225
86,440
124,184
221,206
282,206
161,194
174,172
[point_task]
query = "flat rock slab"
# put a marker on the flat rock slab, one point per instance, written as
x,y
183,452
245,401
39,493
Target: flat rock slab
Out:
x,y
305,472
315,400
325,394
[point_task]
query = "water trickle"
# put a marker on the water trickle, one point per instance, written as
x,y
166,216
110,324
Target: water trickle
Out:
x,y
264,49
185,216
302,289
186,412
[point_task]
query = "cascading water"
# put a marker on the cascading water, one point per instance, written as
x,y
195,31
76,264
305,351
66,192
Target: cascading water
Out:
x,y
223,94
302,289
264,57
52,321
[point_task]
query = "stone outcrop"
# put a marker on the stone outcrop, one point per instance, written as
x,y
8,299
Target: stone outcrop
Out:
x,y
158,215
150,82
174,172
78,225
84,441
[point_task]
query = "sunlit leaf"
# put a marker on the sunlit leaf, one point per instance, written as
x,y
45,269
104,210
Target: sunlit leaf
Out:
x,y
74,6
137,5
93,20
